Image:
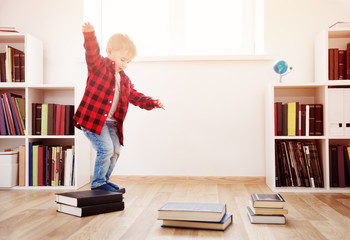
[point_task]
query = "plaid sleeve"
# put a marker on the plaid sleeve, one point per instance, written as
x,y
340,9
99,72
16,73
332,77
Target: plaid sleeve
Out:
x,y
92,50
140,100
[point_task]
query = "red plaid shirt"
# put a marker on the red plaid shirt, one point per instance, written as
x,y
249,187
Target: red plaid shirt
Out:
x,y
99,92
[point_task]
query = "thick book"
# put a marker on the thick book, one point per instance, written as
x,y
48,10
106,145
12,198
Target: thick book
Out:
x,y
91,209
267,211
341,168
36,118
342,64
279,119
9,114
318,119
88,197
44,118
21,165
51,123
69,125
312,120
267,200
18,114
285,119
266,219
225,222
35,162
192,211
2,67
2,119
330,64
347,62
291,118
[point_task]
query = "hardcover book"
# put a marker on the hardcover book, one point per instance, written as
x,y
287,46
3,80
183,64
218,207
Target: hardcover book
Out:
x,y
267,219
225,222
88,197
192,211
267,200
90,210
268,211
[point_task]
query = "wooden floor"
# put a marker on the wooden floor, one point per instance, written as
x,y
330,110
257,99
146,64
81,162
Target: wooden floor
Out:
x,y
31,214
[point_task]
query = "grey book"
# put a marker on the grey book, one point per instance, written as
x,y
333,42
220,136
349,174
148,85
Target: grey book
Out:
x,y
266,219
192,211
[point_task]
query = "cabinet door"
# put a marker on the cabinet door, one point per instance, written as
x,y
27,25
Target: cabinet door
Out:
x,y
336,111
347,111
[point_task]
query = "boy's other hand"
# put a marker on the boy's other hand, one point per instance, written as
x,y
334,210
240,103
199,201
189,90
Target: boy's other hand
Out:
x,y
87,27
159,104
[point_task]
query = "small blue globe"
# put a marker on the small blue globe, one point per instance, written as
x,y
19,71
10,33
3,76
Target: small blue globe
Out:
x,y
280,67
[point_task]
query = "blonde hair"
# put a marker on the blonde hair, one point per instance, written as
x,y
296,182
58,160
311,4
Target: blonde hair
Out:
x,y
120,41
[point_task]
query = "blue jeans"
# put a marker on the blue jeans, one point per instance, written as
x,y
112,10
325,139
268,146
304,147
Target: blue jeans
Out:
x,y
108,149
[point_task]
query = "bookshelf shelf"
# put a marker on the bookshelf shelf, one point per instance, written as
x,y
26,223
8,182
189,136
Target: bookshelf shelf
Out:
x,y
34,91
320,92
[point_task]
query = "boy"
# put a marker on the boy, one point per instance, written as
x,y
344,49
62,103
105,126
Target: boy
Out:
x,y
108,92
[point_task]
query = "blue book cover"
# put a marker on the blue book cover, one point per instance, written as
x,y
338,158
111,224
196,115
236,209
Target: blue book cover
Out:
x,y
47,173
30,165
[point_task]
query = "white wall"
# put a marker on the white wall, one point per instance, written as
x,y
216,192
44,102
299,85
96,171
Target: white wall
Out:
x,y
213,124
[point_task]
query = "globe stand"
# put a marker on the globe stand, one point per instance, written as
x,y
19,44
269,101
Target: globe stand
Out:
x,y
281,75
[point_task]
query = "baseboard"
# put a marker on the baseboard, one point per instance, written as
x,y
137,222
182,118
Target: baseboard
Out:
x,y
191,179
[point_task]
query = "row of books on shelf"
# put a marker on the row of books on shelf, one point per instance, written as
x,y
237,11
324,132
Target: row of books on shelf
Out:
x,y
296,119
12,114
339,166
339,63
50,165
298,164
12,65
89,202
267,208
52,119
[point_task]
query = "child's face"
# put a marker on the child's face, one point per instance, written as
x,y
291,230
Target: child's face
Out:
x,y
121,58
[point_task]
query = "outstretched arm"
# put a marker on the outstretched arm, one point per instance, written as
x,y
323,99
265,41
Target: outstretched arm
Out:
x,y
143,101
92,49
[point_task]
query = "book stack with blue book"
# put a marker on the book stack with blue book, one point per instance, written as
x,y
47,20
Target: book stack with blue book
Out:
x,y
89,202
267,208
194,215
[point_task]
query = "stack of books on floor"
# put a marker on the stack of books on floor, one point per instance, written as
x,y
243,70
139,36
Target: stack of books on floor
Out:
x,y
267,208
89,202
194,215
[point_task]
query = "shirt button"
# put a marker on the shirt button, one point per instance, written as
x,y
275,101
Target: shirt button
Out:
x,y
113,89
105,115
110,101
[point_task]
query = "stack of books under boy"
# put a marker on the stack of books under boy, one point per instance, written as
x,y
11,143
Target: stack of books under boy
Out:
x,y
267,208
89,202
194,215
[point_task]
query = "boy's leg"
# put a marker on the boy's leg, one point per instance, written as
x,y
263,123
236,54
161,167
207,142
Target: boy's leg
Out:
x,y
116,152
104,146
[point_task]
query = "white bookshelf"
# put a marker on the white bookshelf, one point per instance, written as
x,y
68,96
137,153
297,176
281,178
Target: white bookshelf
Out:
x,y
34,91
308,93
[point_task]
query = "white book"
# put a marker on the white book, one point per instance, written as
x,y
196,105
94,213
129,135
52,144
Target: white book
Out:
x,y
336,111
346,110
68,167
